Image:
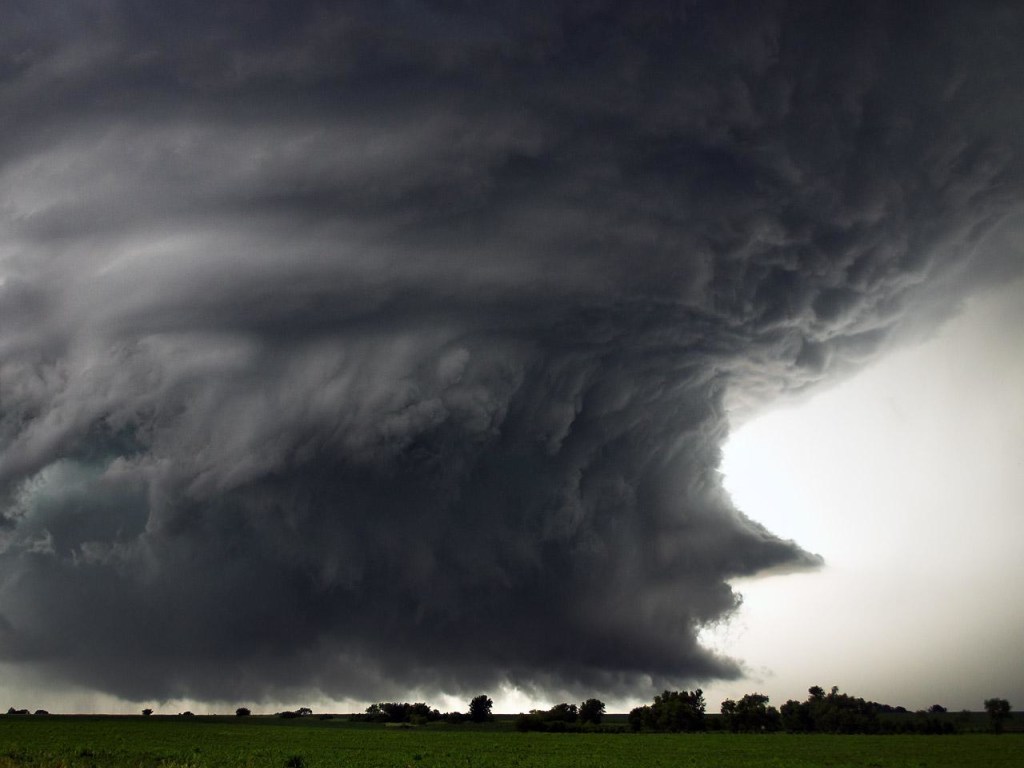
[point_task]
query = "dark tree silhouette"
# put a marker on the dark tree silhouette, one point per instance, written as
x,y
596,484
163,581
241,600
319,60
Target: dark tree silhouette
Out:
x,y
998,710
566,713
592,711
671,711
400,712
147,712
480,709
243,712
751,713
834,712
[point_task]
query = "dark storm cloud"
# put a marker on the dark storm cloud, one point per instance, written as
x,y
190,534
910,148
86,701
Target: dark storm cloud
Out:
x,y
394,345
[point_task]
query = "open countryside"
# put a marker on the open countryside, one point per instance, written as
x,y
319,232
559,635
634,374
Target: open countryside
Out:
x,y
358,355
833,729
220,742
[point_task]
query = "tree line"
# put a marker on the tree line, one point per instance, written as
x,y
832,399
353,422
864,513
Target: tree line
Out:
x,y
420,713
833,712
683,711
561,717
686,711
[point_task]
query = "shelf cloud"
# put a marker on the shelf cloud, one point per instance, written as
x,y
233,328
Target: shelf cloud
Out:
x,y
381,346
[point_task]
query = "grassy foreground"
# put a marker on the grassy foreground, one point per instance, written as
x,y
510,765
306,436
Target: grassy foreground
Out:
x,y
258,742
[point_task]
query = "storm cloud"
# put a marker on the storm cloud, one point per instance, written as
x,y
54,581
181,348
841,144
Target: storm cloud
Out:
x,y
366,347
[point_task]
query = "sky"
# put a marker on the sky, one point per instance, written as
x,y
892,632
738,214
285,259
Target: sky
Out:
x,y
394,351
921,543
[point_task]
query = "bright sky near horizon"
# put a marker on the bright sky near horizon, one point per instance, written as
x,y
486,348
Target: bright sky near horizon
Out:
x,y
909,479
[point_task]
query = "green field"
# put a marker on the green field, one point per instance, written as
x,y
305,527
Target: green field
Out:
x,y
200,741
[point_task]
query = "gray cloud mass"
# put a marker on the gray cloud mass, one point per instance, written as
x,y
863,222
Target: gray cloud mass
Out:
x,y
348,348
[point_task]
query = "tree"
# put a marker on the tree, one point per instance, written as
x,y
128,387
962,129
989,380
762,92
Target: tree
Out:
x,y
998,710
564,713
423,713
641,717
671,711
592,711
796,717
480,709
751,713
936,709
147,712
832,712
243,712
400,712
679,710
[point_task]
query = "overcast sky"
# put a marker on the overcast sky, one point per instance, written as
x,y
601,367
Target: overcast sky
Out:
x,y
389,350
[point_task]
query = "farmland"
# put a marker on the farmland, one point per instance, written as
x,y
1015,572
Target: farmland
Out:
x,y
167,742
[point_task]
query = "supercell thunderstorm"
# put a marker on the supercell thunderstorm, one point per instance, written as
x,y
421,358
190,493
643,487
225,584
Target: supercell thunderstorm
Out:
x,y
348,351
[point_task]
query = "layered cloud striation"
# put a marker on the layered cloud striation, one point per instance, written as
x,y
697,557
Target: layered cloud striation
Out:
x,y
355,349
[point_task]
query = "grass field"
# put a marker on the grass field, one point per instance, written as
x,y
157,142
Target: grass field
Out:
x,y
168,742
